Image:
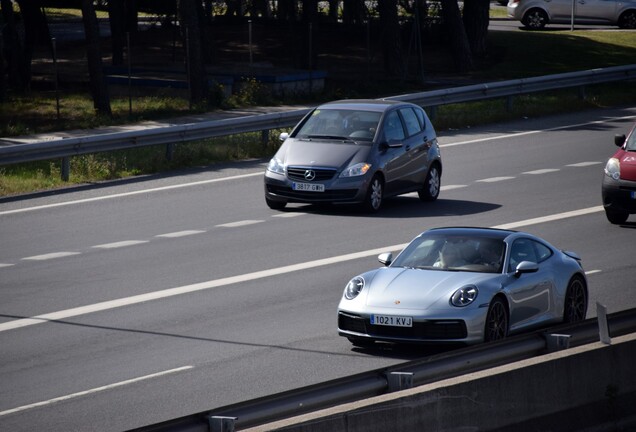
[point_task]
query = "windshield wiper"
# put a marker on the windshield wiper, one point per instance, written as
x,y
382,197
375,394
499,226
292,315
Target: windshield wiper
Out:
x,y
333,137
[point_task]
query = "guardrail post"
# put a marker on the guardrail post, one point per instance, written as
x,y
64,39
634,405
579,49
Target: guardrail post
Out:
x,y
169,151
582,94
432,112
221,424
558,342
601,313
400,381
509,100
66,168
265,138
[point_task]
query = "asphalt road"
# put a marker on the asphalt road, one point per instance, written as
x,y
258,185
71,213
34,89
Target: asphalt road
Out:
x,y
134,302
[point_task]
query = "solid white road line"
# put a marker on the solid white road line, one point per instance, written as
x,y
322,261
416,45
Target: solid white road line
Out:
x,y
126,301
92,391
126,194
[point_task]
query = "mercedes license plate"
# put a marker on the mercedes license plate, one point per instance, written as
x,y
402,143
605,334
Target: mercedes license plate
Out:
x,y
391,320
308,187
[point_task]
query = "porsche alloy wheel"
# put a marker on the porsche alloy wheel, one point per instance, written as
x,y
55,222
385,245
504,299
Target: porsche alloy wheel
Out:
x,y
575,306
496,321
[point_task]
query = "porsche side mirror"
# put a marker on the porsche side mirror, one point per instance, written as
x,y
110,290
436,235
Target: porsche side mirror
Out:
x,y
386,258
526,267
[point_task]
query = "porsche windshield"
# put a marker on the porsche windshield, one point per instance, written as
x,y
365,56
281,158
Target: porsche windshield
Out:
x,y
453,253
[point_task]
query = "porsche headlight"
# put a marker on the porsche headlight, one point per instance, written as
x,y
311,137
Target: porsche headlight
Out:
x,y
356,170
613,169
464,296
354,287
276,166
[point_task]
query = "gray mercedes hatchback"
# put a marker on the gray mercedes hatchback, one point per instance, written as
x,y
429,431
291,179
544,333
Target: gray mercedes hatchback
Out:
x,y
356,152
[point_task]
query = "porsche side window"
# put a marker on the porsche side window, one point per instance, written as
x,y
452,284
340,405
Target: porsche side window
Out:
x,y
522,250
543,252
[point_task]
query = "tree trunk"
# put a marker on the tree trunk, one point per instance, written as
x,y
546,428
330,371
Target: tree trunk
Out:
x,y
191,17
35,31
476,20
309,29
353,12
99,89
391,42
17,65
117,21
460,47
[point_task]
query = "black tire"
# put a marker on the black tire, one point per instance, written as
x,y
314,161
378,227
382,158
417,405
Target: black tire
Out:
x,y
496,321
373,199
575,307
616,217
627,20
430,190
535,19
275,205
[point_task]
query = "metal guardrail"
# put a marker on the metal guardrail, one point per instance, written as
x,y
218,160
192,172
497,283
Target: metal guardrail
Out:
x,y
377,382
12,152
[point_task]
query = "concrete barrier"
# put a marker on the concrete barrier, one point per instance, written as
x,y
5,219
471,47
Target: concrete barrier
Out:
x,y
588,388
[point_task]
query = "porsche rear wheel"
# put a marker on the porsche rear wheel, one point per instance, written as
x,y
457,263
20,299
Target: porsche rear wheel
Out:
x,y
575,306
496,321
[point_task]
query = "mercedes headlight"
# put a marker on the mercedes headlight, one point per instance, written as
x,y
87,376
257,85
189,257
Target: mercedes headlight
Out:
x,y
613,168
354,287
356,170
276,166
464,296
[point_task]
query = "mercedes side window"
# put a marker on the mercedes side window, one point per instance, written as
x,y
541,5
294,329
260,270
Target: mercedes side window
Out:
x,y
393,130
413,126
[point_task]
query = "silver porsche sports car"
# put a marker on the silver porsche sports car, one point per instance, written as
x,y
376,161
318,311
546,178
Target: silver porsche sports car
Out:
x,y
464,285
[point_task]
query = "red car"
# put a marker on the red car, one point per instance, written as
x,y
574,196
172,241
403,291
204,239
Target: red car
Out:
x,y
619,181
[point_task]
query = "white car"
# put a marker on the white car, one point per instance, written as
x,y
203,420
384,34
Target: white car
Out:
x,y
464,285
535,14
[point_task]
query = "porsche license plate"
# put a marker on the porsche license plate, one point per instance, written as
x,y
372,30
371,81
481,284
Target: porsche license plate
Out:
x,y
391,320
308,187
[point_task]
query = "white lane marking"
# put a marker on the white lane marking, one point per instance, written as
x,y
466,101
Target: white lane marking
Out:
x,y
541,171
92,391
180,234
289,215
52,255
534,221
126,194
494,179
170,292
557,128
592,272
6,265
240,223
120,244
450,187
584,164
